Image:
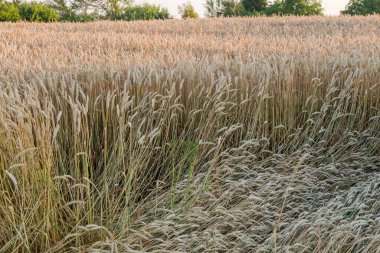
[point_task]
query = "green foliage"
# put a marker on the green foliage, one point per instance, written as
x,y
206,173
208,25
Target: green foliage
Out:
x,y
75,11
224,8
276,8
295,7
187,11
88,10
233,8
79,18
37,12
144,12
362,7
113,8
63,8
254,5
214,8
228,8
303,7
9,12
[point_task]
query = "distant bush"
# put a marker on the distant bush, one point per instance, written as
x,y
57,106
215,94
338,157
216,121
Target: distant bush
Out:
x,y
37,12
144,12
9,12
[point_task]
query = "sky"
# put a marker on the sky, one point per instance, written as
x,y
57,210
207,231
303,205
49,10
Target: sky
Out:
x,y
331,7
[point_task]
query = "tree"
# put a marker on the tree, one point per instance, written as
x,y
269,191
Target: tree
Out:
x,y
63,8
254,5
88,10
224,8
295,7
233,8
82,7
276,8
81,10
113,8
303,7
187,11
362,7
9,12
214,8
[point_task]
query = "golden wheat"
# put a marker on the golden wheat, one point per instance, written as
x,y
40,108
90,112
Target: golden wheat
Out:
x,y
228,135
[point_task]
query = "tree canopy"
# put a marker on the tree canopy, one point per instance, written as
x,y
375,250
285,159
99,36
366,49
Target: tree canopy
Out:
x,y
302,7
362,7
216,8
187,11
254,5
223,8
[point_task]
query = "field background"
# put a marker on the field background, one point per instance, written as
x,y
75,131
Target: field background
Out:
x,y
219,135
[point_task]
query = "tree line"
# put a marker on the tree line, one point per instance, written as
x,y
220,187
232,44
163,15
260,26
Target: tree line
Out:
x,y
229,8
79,11
90,10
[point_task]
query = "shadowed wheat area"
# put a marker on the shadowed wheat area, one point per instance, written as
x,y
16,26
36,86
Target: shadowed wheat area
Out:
x,y
219,135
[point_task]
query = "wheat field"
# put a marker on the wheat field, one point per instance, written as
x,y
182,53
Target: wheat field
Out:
x,y
217,135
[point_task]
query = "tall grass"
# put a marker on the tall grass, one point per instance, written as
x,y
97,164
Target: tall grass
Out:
x,y
228,135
